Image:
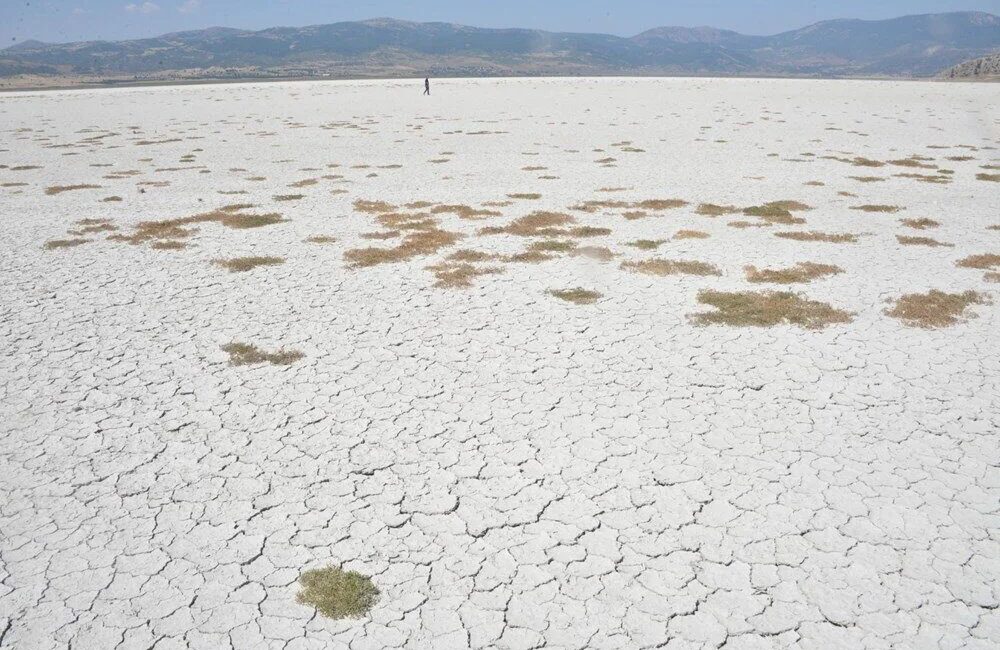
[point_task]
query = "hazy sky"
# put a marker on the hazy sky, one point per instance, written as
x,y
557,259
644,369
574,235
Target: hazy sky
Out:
x,y
71,20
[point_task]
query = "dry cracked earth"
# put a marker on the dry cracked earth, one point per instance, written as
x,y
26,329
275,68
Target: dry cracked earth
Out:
x,y
556,363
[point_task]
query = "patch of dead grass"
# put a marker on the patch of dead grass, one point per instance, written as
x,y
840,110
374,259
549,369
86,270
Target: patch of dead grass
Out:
x,y
919,224
767,309
663,268
465,211
647,244
993,178
288,197
577,296
321,239
526,196
244,264
920,241
800,273
536,224
713,210
934,308
984,262
813,235
691,234
888,209
460,275
59,189
245,354
64,243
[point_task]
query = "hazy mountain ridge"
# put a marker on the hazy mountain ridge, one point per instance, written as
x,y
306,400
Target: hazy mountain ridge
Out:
x,y
908,46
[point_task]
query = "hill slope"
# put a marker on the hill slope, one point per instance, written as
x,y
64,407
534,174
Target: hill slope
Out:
x,y
987,67
908,46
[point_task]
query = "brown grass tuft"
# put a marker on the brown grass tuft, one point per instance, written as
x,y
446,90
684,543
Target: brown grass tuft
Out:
x,y
766,309
662,268
801,272
321,239
993,178
832,238
877,208
647,244
64,243
536,224
373,207
288,197
529,196
920,241
59,189
245,354
464,211
935,308
552,246
578,296
460,276
984,262
713,210
919,224
111,199
243,264
337,594
691,234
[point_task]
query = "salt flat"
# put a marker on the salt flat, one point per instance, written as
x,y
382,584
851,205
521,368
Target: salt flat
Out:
x,y
511,469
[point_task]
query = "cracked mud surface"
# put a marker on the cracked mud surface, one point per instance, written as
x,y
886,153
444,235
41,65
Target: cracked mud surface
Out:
x,y
512,470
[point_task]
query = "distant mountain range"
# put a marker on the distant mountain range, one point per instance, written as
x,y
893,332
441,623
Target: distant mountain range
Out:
x,y
911,46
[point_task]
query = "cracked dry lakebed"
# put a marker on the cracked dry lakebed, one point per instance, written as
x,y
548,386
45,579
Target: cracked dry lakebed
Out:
x,y
591,363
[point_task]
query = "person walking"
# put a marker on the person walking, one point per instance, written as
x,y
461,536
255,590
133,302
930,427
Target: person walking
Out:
x,y
427,86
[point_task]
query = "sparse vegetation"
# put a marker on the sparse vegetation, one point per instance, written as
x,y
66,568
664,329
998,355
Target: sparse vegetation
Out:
x,y
919,224
801,272
935,308
691,234
832,238
576,296
321,239
920,241
337,594
713,210
64,243
245,354
766,309
877,208
59,189
661,267
243,264
984,262
647,244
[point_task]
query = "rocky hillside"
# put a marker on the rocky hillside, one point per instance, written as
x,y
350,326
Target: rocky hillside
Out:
x,y
987,67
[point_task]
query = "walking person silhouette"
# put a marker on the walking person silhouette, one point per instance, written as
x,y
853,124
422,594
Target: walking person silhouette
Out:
x,y
427,86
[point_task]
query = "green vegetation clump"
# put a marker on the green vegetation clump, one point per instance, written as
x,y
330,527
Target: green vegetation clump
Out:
x,y
336,593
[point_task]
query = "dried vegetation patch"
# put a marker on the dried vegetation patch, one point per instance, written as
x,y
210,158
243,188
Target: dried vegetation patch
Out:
x,y
920,241
245,354
64,243
801,272
337,594
59,189
577,296
243,264
934,308
767,309
662,268
812,235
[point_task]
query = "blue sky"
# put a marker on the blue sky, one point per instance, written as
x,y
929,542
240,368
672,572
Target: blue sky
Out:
x,y
70,20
